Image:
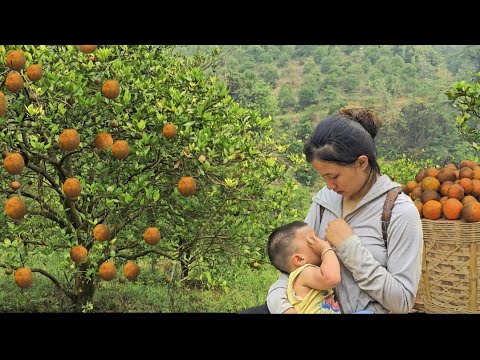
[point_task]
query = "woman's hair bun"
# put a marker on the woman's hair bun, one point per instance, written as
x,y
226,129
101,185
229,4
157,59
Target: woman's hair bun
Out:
x,y
369,119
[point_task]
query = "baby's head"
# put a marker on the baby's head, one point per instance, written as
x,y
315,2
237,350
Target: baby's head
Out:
x,y
288,249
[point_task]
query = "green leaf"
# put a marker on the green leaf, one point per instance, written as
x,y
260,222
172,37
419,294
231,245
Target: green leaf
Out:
x,y
141,124
128,198
127,97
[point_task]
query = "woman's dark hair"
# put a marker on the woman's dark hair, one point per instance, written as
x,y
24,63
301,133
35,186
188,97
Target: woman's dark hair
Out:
x,y
342,138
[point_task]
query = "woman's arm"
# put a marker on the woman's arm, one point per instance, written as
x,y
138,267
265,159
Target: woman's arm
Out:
x,y
395,285
277,301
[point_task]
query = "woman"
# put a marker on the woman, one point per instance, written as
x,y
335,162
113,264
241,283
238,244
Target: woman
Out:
x,y
377,275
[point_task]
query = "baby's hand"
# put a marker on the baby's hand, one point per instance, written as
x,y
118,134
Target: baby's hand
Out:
x,y
318,245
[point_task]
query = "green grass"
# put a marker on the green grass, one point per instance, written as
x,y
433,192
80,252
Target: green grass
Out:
x,y
150,293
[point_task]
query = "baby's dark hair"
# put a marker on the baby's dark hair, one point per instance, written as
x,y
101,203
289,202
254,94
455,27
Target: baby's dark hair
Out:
x,y
343,137
280,247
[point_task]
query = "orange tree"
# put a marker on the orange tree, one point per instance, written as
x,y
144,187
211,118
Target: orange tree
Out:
x,y
465,96
112,153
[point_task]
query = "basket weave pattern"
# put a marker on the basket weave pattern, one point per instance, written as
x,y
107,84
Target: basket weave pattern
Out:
x,y
450,266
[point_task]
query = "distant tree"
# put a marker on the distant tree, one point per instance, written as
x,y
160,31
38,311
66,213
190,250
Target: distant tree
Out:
x,y
286,96
320,53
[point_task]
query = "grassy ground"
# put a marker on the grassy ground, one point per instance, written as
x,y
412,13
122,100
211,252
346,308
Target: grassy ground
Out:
x,y
150,293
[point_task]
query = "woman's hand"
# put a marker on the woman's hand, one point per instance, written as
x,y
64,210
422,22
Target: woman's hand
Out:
x,y
337,231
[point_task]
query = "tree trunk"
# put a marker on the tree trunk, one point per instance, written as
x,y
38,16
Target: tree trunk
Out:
x,y
84,289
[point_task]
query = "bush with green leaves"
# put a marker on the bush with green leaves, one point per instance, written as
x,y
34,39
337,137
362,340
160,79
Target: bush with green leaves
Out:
x,y
241,173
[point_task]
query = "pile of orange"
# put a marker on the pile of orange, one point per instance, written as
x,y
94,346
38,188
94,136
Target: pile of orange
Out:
x,y
447,193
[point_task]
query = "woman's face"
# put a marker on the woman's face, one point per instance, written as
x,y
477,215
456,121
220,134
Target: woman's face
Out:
x,y
346,180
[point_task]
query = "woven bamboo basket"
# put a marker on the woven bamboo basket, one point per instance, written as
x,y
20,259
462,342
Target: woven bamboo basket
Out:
x,y
450,265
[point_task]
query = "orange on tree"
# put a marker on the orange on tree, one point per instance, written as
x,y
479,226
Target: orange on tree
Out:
x,y
34,72
14,163
131,270
107,271
72,188
152,236
69,139
15,185
120,149
169,131
23,278
78,254
16,60
86,49
15,208
3,104
187,186
110,89
14,82
103,141
101,232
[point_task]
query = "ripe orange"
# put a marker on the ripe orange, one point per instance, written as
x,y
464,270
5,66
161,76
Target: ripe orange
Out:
x,y
16,60
432,210
187,186
23,278
34,72
14,82
452,209
15,185
256,265
3,104
78,254
14,163
86,49
430,183
169,131
107,271
467,163
101,232
72,188
456,191
69,139
103,141
131,270
152,236
120,149
471,212
110,89
15,208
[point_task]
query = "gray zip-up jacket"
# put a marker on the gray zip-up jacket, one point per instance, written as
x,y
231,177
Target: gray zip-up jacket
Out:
x,y
374,276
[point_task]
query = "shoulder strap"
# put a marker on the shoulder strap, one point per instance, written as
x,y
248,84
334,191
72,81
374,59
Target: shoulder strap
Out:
x,y
392,195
